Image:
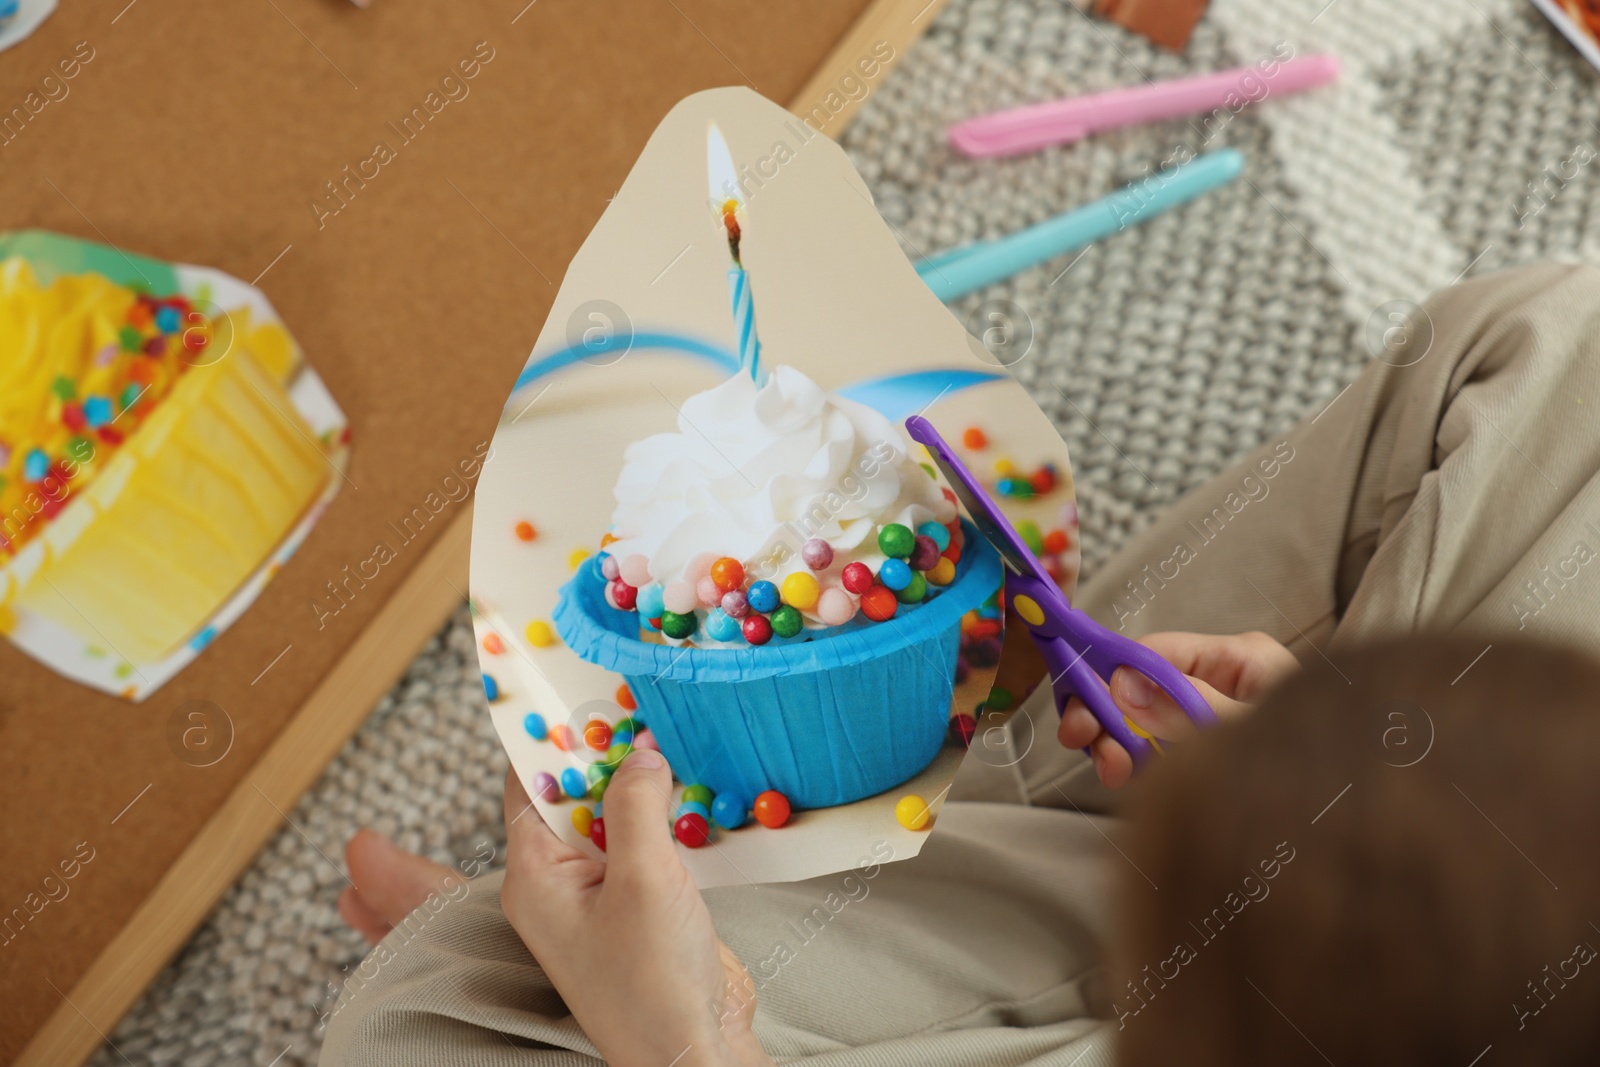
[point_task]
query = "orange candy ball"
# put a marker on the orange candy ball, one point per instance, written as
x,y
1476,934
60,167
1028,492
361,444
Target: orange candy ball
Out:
x,y
561,737
728,573
525,531
879,603
625,699
597,734
975,438
1055,541
493,645
772,807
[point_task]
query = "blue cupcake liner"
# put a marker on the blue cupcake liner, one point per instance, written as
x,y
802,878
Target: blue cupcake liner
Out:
x,y
826,721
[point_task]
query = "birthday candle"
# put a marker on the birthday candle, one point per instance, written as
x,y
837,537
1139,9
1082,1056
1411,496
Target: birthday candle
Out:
x,y
724,184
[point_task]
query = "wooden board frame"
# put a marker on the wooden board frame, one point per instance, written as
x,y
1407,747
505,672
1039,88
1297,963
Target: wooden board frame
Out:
x,y
424,599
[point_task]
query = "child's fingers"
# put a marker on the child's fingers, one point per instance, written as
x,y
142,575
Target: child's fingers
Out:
x,y
528,839
1078,727
638,801
1111,762
1157,713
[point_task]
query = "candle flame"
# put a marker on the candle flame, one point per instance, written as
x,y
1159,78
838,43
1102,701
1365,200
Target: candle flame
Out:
x,y
719,167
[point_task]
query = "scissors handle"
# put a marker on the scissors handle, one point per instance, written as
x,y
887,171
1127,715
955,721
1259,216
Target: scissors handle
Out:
x,y
1082,655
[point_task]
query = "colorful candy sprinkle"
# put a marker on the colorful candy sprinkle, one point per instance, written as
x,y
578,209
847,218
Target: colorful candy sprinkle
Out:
x,y
535,726
493,645
896,541
625,701
856,577
817,554
561,737
895,574
540,634
974,438
576,557
730,810
763,596
912,812
721,626
835,608
679,625
679,598
735,604
525,531
573,783
914,590
787,621
583,821
692,807
692,830
800,590
649,603
597,734
756,629
962,729
772,809
545,788
700,794
491,688
943,573
728,573
879,603
635,570
597,832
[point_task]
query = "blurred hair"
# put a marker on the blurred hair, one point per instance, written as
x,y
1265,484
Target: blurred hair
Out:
x,y
1444,876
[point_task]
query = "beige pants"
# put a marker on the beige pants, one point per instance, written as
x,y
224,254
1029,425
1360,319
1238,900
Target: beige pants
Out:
x,y
1458,492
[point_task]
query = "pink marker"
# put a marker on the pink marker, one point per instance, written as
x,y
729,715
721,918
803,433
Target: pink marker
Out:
x,y
1028,129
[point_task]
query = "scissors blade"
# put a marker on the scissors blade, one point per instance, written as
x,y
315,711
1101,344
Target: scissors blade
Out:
x,y
987,517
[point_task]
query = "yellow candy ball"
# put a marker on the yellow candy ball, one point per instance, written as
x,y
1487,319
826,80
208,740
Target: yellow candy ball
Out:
x,y
540,634
943,573
800,591
576,557
1004,467
582,819
912,812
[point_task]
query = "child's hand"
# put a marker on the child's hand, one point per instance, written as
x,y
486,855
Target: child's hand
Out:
x,y
628,944
1231,673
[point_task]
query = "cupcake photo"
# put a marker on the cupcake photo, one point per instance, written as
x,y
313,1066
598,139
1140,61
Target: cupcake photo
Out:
x,y
163,449
701,527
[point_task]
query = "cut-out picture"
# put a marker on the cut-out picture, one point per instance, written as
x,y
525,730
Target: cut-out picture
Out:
x,y
164,449
702,526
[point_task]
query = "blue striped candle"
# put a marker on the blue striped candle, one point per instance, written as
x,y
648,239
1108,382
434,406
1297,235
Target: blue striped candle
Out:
x,y
746,343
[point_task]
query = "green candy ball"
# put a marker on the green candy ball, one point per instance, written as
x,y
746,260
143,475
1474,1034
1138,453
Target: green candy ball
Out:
x,y
1029,532
597,789
597,772
999,699
629,725
915,590
896,541
678,626
615,755
700,794
786,621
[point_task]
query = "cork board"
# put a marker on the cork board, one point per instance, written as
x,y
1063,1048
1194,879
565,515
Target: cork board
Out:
x,y
237,136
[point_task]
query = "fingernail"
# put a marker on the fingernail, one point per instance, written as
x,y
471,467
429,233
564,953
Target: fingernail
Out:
x,y
642,759
1137,690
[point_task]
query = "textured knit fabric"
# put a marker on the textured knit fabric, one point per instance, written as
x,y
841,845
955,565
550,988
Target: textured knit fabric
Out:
x,y
1455,492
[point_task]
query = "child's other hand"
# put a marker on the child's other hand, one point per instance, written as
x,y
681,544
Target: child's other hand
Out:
x,y
1231,672
628,943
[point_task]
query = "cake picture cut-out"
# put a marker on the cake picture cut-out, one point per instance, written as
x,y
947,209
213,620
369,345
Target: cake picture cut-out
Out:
x,y
153,460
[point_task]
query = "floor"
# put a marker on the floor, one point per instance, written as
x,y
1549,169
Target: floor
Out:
x,y
1450,146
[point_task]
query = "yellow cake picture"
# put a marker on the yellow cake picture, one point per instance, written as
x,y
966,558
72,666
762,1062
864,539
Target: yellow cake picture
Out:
x,y
151,459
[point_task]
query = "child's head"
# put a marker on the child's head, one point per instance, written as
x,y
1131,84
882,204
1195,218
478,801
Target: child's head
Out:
x,y
1393,860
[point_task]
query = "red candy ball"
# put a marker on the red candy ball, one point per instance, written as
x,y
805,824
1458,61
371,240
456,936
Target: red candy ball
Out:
x,y
597,834
879,603
1042,480
771,808
625,596
692,829
857,577
756,629
962,729
728,573
1055,541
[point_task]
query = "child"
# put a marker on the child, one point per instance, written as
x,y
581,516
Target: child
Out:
x,y
1452,489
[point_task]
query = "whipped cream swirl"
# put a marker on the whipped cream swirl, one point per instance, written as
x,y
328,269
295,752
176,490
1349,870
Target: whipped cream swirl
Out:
x,y
753,473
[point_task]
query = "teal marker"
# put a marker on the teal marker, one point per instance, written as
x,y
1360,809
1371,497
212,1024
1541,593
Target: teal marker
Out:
x,y
961,270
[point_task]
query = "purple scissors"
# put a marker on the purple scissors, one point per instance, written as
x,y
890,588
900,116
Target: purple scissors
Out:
x,y
1080,653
